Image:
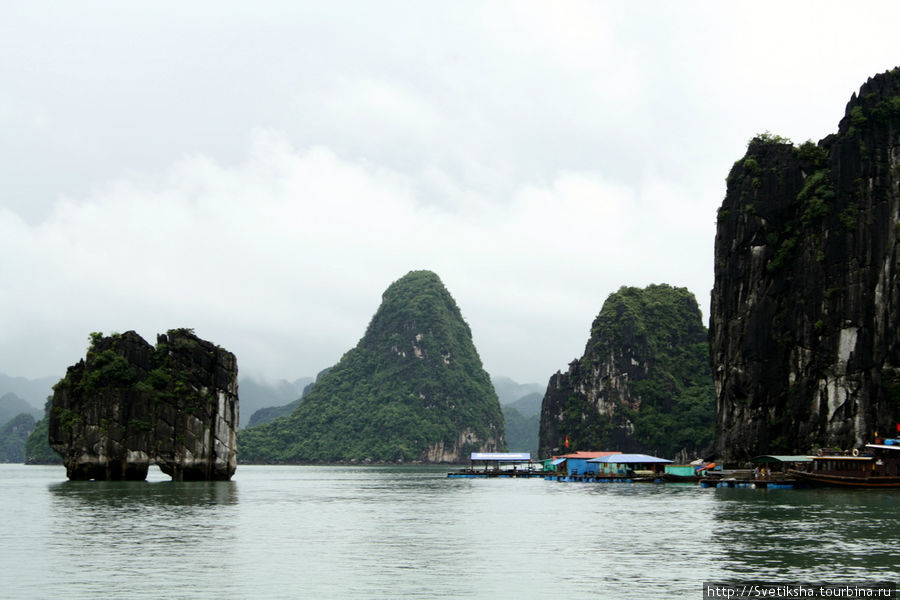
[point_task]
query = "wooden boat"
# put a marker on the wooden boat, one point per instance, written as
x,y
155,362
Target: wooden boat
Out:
x,y
878,466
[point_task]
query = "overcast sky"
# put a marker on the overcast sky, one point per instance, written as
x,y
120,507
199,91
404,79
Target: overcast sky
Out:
x,y
261,172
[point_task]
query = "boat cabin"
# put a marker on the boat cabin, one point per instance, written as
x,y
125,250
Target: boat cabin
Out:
x,y
879,460
878,465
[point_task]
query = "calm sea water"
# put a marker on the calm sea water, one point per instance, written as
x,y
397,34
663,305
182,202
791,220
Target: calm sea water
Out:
x,y
409,532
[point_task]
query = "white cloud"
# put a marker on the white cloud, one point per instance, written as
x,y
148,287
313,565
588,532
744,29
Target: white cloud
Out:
x,y
537,157
296,245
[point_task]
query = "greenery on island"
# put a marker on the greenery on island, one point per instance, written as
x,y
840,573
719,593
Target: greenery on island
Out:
x,y
413,383
13,436
812,202
669,403
37,446
270,413
521,430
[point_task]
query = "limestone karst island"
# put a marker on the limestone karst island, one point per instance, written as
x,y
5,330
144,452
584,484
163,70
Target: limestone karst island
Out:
x,y
796,381
128,405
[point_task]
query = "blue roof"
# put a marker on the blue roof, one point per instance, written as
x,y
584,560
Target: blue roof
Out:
x,y
621,459
501,456
558,461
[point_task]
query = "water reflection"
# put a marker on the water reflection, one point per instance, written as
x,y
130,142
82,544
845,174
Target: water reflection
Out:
x,y
137,534
392,532
811,535
132,494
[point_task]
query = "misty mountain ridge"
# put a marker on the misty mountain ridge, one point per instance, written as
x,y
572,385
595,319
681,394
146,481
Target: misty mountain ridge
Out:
x,y
11,405
256,394
509,391
33,391
527,406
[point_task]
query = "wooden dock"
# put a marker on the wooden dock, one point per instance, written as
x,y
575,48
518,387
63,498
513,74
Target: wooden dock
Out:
x,y
595,478
503,473
727,479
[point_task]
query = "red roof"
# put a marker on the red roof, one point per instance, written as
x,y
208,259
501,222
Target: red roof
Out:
x,y
585,454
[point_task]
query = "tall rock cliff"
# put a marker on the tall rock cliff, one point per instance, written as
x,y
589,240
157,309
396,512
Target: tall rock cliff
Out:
x,y
128,404
806,303
643,384
413,389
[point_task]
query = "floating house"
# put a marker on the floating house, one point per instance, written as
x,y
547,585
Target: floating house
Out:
x,y
618,465
497,460
498,464
578,463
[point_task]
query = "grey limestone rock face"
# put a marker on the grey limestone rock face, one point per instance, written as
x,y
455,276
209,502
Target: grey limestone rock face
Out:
x,y
128,405
806,302
643,383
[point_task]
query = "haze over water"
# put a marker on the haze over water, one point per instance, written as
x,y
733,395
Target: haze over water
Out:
x,y
409,532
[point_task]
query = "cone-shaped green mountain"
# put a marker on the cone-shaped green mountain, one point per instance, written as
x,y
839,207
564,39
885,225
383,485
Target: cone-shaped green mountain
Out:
x,y
413,389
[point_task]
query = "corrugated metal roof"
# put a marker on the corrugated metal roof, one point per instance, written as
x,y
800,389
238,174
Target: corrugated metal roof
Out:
x,y
559,461
622,459
778,458
588,454
500,456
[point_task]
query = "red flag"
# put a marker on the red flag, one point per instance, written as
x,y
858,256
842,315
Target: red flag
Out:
x,y
567,438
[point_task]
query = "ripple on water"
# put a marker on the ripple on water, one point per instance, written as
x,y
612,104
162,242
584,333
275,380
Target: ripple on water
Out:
x,y
409,532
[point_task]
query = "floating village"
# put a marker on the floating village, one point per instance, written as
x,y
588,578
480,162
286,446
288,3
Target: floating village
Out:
x,y
877,465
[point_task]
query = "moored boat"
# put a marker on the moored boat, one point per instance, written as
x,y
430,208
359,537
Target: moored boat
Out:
x,y
878,466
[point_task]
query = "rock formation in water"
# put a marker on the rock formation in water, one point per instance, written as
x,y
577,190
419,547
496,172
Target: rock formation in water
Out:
x,y
643,384
413,389
806,303
128,404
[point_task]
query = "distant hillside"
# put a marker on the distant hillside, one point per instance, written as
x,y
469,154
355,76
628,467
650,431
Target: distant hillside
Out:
x,y
12,405
256,395
509,391
270,413
13,436
413,389
33,391
522,431
521,412
37,446
529,405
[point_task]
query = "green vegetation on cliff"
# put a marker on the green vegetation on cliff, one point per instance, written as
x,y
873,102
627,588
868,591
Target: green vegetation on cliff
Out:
x,y
37,446
13,436
413,389
644,383
675,401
